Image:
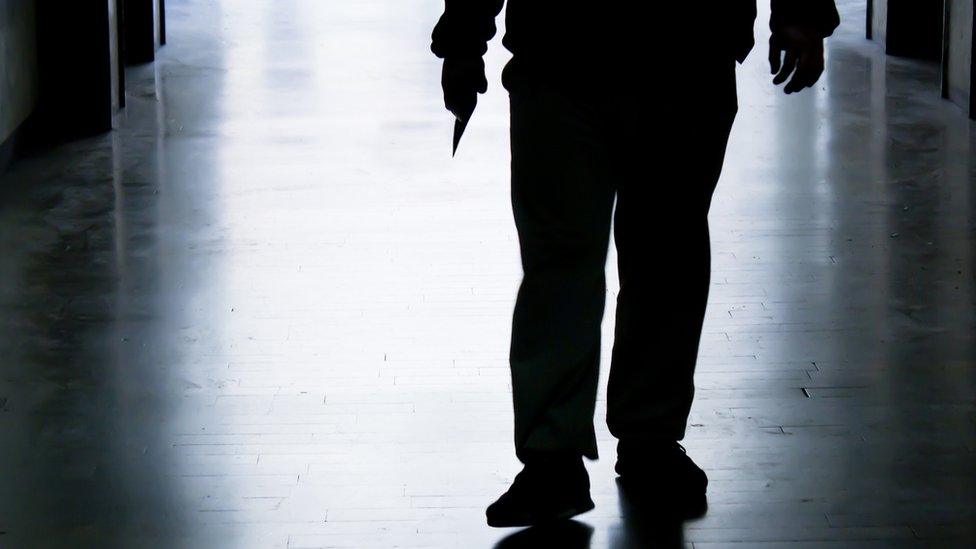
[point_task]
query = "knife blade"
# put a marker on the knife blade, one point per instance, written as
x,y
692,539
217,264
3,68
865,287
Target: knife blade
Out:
x,y
462,114
459,125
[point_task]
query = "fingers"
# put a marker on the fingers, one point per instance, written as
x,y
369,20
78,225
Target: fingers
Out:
x,y
808,71
789,64
460,97
462,80
802,58
461,102
775,55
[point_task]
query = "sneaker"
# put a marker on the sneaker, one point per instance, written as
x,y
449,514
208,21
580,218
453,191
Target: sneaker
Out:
x,y
662,475
546,490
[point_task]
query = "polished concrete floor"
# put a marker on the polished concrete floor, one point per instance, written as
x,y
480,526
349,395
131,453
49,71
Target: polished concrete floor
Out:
x,y
270,310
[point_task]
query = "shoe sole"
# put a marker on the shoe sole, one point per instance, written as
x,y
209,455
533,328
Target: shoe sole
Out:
x,y
681,505
544,519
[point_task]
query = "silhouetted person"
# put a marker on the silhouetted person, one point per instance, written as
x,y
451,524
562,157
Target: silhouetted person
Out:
x,y
628,101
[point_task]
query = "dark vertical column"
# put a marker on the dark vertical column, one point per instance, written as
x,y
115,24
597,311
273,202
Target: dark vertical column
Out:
x,y
946,26
76,83
140,31
913,28
869,21
116,63
120,49
161,16
972,71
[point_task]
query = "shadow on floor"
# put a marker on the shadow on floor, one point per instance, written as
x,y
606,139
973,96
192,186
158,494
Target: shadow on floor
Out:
x,y
564,534
644,524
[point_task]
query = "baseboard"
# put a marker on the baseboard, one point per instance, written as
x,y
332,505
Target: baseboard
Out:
x,y
21,142
962,97
10,148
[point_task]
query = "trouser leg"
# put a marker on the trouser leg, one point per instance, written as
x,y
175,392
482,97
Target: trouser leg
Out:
x,y
662,240
562,200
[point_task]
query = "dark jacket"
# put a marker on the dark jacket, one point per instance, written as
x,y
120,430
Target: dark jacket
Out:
x,y
572,39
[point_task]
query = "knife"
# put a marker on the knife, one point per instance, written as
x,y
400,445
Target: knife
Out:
x,y
461,122
459,125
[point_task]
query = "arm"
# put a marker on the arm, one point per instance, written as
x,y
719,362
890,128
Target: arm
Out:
x,y
465,28
461,38
819,15
796,45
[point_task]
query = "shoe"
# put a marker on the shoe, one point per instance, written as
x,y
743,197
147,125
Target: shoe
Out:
x,y
548,489
663,476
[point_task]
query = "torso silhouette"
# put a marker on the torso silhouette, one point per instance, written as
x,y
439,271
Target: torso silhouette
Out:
x,y
588,43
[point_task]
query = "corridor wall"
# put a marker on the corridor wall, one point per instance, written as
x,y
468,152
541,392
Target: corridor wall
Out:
x,y
958,65
18,70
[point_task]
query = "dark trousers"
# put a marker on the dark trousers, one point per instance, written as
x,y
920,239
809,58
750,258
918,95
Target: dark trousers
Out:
x,y
657,152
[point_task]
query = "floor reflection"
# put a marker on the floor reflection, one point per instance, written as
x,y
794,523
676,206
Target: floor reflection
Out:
x,y
570,534
648,522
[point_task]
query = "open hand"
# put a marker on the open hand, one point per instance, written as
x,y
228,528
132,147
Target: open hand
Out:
x,y
799,51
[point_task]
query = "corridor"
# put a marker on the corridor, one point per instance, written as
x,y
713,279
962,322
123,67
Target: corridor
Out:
x,y
271,310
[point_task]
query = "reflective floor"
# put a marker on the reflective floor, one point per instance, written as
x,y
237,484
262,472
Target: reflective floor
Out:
x,y
271,311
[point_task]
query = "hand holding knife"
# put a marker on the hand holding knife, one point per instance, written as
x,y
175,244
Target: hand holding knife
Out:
x,y
462,79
